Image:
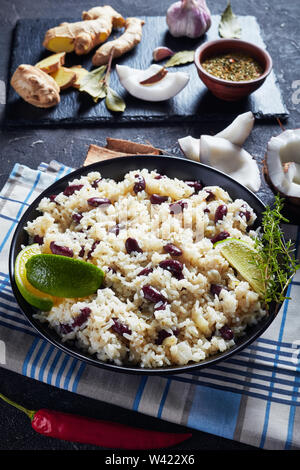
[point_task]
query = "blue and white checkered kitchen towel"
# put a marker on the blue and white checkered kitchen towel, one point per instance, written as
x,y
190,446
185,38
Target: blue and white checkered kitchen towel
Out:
x,y
252,397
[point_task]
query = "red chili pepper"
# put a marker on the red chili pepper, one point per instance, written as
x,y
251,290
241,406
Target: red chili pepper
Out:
x,y
100,433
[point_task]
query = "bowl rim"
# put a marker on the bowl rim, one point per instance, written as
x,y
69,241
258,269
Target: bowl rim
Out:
x,y
91,360
231,83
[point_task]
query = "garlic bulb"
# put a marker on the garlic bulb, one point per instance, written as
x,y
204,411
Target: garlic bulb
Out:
x,y
189,18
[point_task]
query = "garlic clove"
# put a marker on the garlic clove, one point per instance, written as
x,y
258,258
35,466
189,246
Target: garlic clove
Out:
x,y
189,18
162,90
239,130
231,159
190,147
161,53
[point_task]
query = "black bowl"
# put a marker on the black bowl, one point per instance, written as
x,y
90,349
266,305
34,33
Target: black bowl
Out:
x,y
116,169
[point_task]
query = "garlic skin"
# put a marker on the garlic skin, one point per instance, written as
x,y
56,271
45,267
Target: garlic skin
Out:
x,y
190,18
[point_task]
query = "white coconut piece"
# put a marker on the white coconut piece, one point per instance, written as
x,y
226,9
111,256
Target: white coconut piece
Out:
x,y
190,147
162,90
283,163
231,159
239,130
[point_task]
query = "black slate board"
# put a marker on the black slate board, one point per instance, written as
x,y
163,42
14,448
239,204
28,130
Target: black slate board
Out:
x,y
194,104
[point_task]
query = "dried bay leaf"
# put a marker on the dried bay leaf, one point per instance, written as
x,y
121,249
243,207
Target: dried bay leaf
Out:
x,y
93,83
180,58
229,26
113,101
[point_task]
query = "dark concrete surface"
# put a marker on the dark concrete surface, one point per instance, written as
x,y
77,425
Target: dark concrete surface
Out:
x,y
280,24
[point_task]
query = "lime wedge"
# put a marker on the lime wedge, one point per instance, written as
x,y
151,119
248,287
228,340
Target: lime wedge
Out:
x,y
33,296
241,256
62,276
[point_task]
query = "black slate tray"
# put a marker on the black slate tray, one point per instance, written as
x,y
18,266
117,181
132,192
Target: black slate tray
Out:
x,y
194,104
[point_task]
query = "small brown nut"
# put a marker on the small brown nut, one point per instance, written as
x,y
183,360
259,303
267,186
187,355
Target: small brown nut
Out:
x,y
35,86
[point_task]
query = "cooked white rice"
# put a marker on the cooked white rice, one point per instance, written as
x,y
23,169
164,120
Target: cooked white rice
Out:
x,y
189,329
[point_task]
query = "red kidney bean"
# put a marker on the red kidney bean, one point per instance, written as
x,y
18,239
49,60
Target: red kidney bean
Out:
x,y
210,195
206,211
120,327
220,213
197,185
96,242
132,245
152,294
116,229
173,266
226,332
161,336
145,272
157,199
219,237
98,201
77,216
61,250
81,253
140,185
160,306
96,182
52,198
110,269
245,214
82,318
177,207
215,289
172,249
158,177
38,239
65,328
72,188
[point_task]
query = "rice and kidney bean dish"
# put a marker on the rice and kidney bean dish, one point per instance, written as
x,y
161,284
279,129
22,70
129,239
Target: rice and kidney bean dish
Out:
x,y
169,297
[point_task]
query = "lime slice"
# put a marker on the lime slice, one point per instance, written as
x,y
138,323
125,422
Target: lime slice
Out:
x,y
62,276
31,294
241,256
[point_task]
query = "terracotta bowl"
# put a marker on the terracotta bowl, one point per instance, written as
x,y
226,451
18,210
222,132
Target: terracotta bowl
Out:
x,y
225,89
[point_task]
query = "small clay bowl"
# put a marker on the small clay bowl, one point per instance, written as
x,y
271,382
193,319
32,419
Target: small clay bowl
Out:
x,y
226,89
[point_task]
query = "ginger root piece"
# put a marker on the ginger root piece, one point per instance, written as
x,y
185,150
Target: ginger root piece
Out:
x,y
117,20
127,41
35,86
64,77
52,63
80,73
81,36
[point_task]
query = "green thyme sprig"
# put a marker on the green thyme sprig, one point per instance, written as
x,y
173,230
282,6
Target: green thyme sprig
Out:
x,y
277,262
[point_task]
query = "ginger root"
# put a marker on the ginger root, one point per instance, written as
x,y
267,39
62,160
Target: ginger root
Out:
x,y
52,63
80,73
127,41
117,20
81,36
35,86
64,77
